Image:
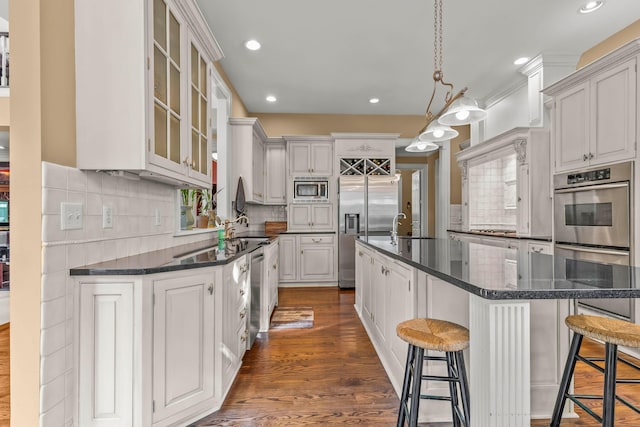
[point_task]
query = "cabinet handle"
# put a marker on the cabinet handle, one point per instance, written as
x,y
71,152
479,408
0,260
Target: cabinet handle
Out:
x,y
359,253
241,292
519,199
193,164
590,156
312,224
275,266
316,240
584,157
301,252
211,289
382,269
243,338
243,313
185,161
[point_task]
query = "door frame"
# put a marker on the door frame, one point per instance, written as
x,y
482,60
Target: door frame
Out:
x,y
424,180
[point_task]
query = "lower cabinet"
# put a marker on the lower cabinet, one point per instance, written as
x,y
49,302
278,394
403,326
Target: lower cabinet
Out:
x,y
312,217
270,279
160,349
387,290
308,258
183,343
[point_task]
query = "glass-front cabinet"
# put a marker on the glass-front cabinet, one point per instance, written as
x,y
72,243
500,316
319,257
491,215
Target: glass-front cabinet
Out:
x,y
143,97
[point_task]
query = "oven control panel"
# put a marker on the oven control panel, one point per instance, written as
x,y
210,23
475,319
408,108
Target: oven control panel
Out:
x,y
595,175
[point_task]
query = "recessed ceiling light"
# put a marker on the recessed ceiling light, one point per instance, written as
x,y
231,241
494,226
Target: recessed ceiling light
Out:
x,y
2,148
252,45
374,100
271,98
521,61
591,6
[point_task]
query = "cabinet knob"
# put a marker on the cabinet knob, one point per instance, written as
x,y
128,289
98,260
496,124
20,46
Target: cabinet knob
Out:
x,y
585,157
360,253
590,156
241,292
243,313
243,338
519,199
275,266
301,252
211,289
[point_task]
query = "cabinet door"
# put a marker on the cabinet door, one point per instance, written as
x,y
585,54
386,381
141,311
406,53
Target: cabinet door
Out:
x,y
276,175
183,335
199,158
299,217
359,277
613,114
168,110
367,291
322,217
400,307
274,274
288,258
523,186
572,128
299,156
321,159
105,365
316,262
379,297
258,169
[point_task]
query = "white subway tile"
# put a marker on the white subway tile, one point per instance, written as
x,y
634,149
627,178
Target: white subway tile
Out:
x,y
54,259
54,176
52,339
94,182
52,394
108,184
53,312
51,200
76,180
51,229
53,285
76,255
54,417
94,204
53,366
94,252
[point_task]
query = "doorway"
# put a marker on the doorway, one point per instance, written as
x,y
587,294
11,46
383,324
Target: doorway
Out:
x,y
412,199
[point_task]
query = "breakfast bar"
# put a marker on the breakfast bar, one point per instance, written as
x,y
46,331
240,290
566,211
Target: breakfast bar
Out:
x,y
504,287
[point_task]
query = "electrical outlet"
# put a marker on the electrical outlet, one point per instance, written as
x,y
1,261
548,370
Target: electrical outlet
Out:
x,y
70,216
157,217
107,217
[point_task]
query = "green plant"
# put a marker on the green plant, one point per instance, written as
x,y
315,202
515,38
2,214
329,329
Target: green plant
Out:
x,y
187,196
205,201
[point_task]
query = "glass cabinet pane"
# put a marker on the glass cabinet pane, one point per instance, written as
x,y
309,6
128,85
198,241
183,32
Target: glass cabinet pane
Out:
x,y
174,95
174,141
160,76
203,115
195,152
160,23
194,66
203,158
195,113
160,131
203,77
174,39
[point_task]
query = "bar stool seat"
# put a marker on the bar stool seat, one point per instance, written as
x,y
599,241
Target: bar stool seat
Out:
x,y
614,333
436,335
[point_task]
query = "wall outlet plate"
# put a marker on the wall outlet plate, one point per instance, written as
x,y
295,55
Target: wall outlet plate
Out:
x,y
70,216
107,217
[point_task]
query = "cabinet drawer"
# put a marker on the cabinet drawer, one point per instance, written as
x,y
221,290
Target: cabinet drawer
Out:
x,y
315,239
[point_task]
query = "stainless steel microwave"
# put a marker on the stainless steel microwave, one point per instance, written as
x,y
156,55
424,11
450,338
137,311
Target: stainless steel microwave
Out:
x,y
310,190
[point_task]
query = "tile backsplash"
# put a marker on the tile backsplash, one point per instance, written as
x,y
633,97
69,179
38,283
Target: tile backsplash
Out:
x,y
258,214
134,204
492,194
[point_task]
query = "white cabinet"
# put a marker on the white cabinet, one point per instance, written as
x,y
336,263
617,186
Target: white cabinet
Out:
x,y
247,158
269,290
105,364
595,111
183,343
288,257
308,258
236,301
310,157
311,217
276,174
142,103
317,258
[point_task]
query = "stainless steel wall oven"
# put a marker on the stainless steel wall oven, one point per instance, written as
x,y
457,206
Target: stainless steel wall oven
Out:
x,y
592,229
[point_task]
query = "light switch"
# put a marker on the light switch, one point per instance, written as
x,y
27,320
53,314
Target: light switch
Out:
x,y
107,217
70,216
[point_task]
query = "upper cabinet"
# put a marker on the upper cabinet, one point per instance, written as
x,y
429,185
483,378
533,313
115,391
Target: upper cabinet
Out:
x,y
142,92
365,154
310,156
595,111
276,174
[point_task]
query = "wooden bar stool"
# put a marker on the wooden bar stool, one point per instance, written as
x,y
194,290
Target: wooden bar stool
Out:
x,y
437,335
613,333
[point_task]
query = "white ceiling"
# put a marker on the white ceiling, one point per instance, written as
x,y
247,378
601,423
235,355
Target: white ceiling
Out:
x,y
331,56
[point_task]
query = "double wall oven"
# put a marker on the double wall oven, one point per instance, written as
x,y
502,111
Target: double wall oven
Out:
x,y
593,224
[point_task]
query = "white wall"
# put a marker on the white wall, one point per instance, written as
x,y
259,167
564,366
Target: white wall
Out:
x,y
134,204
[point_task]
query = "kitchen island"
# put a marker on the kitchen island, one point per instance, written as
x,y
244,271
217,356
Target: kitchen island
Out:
x,y
511,301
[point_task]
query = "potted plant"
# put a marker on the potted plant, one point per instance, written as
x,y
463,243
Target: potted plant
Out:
x,y
186,209
204,206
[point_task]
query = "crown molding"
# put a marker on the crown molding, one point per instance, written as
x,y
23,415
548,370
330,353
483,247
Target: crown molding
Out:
x,y
369,136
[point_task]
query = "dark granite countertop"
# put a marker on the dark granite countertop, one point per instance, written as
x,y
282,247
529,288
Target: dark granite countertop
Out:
x,y
500,233
501,273
184,257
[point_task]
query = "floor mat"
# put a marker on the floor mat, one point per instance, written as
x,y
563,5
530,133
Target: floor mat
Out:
x,y
292,318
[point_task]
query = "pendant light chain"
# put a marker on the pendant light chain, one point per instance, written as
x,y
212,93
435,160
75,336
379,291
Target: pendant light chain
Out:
x,y
437,35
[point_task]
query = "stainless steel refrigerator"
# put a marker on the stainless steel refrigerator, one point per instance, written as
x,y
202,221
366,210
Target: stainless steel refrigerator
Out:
x,y
366,206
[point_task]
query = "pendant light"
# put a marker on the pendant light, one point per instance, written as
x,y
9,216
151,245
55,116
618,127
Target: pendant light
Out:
x,y
458,109
418,146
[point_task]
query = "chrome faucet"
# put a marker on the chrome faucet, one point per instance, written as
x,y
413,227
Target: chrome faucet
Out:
x,y
394,232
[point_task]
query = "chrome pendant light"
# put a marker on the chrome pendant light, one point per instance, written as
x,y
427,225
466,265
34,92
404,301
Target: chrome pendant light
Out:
x,y
457,110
